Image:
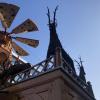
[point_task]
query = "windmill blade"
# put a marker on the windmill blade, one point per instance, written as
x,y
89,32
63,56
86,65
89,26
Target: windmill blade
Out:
x,y
7,14
19,50
30,42
26,26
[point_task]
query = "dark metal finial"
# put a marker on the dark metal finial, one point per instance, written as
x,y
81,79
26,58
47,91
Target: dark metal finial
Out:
x,y
54,19
81,62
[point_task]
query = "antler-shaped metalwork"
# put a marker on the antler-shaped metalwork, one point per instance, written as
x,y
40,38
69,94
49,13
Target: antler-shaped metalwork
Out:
x,y
80,63
54,20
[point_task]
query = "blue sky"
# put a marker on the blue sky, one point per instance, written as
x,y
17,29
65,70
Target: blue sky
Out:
x,y
78,29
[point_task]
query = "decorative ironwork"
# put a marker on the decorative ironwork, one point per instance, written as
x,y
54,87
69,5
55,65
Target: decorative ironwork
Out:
x,y
31,72
70,72
54,42
38,69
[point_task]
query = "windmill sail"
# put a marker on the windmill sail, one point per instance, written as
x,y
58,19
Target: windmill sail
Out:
x,y
19,50
30,42
7,14
26,26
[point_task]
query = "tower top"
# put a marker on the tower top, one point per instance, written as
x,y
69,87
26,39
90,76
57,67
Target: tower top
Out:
x,y
55,43
81,68
53,21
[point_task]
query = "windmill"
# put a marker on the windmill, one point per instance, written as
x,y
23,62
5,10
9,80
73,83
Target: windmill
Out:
x,y
7,44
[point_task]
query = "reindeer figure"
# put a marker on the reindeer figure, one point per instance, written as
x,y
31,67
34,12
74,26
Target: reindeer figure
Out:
x,y
55,42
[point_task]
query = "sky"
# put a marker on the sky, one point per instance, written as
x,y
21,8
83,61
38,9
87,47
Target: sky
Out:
x,y
78,29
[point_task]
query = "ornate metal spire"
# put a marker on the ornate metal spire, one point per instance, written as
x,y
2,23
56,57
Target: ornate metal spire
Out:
x,y
82,72
81,68
55,42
